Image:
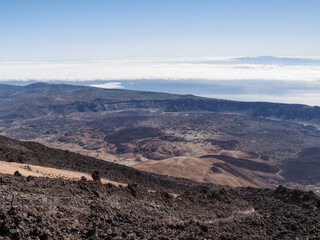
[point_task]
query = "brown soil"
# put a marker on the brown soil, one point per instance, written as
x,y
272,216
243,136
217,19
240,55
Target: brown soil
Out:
x,y
202,170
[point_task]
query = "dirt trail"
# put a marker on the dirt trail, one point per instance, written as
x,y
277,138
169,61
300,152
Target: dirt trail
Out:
x,y
37,171
237,214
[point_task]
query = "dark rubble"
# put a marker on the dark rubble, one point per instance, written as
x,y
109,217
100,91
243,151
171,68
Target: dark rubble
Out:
x,y
43,208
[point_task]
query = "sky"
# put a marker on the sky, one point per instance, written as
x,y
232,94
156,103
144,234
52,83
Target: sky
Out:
x,y
205,45
37,30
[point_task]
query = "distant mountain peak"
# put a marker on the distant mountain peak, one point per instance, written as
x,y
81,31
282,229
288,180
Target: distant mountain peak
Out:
x,y
278,60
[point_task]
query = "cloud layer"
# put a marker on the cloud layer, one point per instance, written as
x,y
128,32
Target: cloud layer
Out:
x,y
204,69
273,79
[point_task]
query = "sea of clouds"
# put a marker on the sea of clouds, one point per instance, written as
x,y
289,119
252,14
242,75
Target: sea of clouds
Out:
x,y
276,79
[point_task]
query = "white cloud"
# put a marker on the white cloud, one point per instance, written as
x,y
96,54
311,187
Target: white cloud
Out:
x,y
155,69
109,85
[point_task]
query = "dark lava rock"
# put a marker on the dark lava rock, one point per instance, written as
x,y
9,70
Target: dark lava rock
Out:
x,y
47,208
96,176
83,178
17,174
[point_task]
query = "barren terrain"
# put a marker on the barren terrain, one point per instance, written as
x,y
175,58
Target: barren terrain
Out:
x,y
171,134
58,205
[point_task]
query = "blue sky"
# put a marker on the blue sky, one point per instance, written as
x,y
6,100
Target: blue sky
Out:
x,y
38,30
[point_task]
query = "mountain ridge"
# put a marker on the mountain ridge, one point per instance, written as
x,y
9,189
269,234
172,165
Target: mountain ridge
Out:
x,y
112,99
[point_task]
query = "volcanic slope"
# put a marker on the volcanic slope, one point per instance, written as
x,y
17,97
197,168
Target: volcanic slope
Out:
x,y
170,134
149,207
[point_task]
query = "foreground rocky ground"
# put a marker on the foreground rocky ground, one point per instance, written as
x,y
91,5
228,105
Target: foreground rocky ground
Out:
x,y
44,208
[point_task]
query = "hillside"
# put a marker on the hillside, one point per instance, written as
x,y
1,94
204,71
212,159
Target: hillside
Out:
x,y
39,155
145,206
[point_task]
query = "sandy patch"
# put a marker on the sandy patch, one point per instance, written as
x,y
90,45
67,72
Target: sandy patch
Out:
x,y
38,171
197,169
